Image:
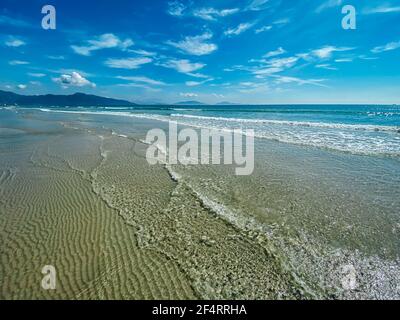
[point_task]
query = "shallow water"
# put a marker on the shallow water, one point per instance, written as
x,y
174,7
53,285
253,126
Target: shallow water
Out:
x,y
287,231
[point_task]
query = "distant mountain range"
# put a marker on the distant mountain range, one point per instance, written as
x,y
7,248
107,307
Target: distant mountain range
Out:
x,y
189,103
76,99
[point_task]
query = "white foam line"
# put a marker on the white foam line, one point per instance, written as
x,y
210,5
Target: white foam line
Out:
x,y
296,123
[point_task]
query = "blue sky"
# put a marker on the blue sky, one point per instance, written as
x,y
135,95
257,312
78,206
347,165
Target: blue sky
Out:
x,y
250,51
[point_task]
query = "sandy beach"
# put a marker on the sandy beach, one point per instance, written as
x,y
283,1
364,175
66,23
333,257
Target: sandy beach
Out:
x,y
77,193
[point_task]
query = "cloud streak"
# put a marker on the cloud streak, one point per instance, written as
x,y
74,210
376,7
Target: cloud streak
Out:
x,y
239,29
127,63
14,42
388,47
196,45
104,41
212,14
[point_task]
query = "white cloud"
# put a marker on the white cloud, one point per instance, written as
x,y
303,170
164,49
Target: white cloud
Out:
x,y
189,95
143,52
176,8
263,29
381,9
14,42
328,4
344,60
217,95
267,71
183,66
127,63
274,53
17,62
143,80
196,45
197,75
326,52
211,14
282,21
239,29
21,86
74,79
364,57
36,75
283,62
285,79
257,5
388,47
56,57
325,66
105,41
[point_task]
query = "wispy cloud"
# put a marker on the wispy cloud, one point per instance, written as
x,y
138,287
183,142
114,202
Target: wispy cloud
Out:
x,y
22,86
326,52
127,63
239,29
14,42
36,75
176,8
211,14
282,21
274,53
74,79
196,45
344,60
17,62
257,5
328,4
56,57
325,66
388,47
143,52
263,29
189,95
283,62
183,66
105,41
253,87
143,79
299,81
381,9
275,66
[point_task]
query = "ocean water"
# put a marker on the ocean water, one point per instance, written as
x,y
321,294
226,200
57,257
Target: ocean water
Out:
x,y
324,196
368,130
